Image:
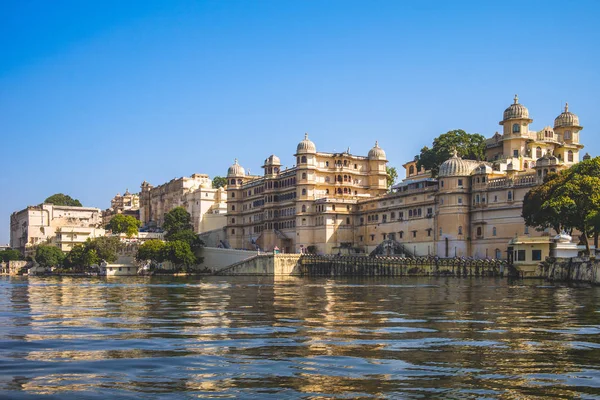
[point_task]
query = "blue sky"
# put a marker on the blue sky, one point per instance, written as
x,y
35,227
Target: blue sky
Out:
x,y
97,96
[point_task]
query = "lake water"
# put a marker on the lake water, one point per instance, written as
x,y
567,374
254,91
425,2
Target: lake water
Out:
x,y
251,337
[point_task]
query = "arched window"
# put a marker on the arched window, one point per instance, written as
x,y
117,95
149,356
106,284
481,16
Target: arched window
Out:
x,y
339,191
411,170
516,128
401,234
526,165
478,231
460,230
233,220
304,175
494,231
509,195
345,163
304,208
303,159
303,192
326,191
570,156
233,181
538,152
567,135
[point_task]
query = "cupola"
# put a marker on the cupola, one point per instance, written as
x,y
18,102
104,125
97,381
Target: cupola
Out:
x,y
567,119
376,153
306,146
236,169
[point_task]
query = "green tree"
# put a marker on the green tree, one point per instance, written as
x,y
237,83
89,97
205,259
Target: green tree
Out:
x,y
179,253
468,145
49,256
392,176
152,249
76,257
105,248
177,220
567,200
219,181
10,255
124,224
60,199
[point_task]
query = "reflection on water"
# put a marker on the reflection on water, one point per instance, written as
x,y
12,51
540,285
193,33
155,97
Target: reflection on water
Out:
x,y
293,337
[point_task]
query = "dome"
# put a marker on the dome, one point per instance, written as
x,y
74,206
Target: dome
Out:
x,y
306,146
376,153
236,169
566,119
456,166
273,160
516,111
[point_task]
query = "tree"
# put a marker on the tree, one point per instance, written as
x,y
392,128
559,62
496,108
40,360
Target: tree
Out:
x,y
10,255
219,181
124,224
49,256
468,145
151,250
178,252
567,200
105,247
77,257
60,199
177,220
392,175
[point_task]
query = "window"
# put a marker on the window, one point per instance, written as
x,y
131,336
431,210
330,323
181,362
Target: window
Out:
x,y
460,230
233,220
360,238
401,215
372,237
460,200
411,170
410,213
440,231
303,192
536,255
570,156
393,215
355,166
233,207
509,195
327,163
304,175
232,195
303,208
538,152
567,135
384,218
401,234
460,182
516,128
414,234
520,255
515,153
495,199
498,254
233,181
479,232
526,230
428,232
347,221
303,159
494,231
233,231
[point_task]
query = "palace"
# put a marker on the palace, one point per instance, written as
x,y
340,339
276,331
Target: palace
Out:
x,y
333,203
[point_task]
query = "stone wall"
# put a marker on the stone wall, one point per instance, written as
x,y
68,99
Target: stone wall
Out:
x,y
571,270
216,259
265,265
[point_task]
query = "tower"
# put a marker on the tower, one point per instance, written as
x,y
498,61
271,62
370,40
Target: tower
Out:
x,y
515,123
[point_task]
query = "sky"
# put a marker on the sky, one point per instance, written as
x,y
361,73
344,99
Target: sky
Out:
x,y
97,96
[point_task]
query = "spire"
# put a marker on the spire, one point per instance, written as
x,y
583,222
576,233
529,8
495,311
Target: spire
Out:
x,y
516,99
305,135
235,162
454,152
376,143
566,107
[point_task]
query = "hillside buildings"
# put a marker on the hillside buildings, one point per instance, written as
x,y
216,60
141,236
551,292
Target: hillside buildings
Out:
x,y
335,203
126,204
63,226
207,206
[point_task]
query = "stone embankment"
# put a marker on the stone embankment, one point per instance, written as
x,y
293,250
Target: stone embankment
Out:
x,y
309,265
571,270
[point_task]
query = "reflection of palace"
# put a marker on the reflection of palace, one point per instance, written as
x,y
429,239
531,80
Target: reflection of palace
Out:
x,y
338,202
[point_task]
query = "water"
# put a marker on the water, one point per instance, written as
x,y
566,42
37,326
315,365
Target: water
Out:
x,y
247,337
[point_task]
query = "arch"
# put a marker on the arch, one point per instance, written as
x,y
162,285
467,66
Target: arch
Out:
x,y
304,175
303,159
339,178
570,156
516,128
460,230
526,165
538,152
303,208
479,231
303,192
567,135
494,232
411,170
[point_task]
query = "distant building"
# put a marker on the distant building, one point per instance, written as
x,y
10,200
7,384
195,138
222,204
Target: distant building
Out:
x,y
338,202
63,226
207,206
126,204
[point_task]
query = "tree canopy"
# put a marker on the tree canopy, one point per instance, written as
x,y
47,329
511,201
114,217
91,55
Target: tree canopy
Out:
x,y
93,251
219,181
10,255
49,256
124,224
468,145
177,220
151,250
392,176
566,201
60,199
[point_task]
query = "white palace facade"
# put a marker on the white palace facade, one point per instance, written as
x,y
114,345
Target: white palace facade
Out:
x,y
333,203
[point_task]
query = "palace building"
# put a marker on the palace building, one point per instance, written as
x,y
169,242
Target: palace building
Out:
x,y
333,203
